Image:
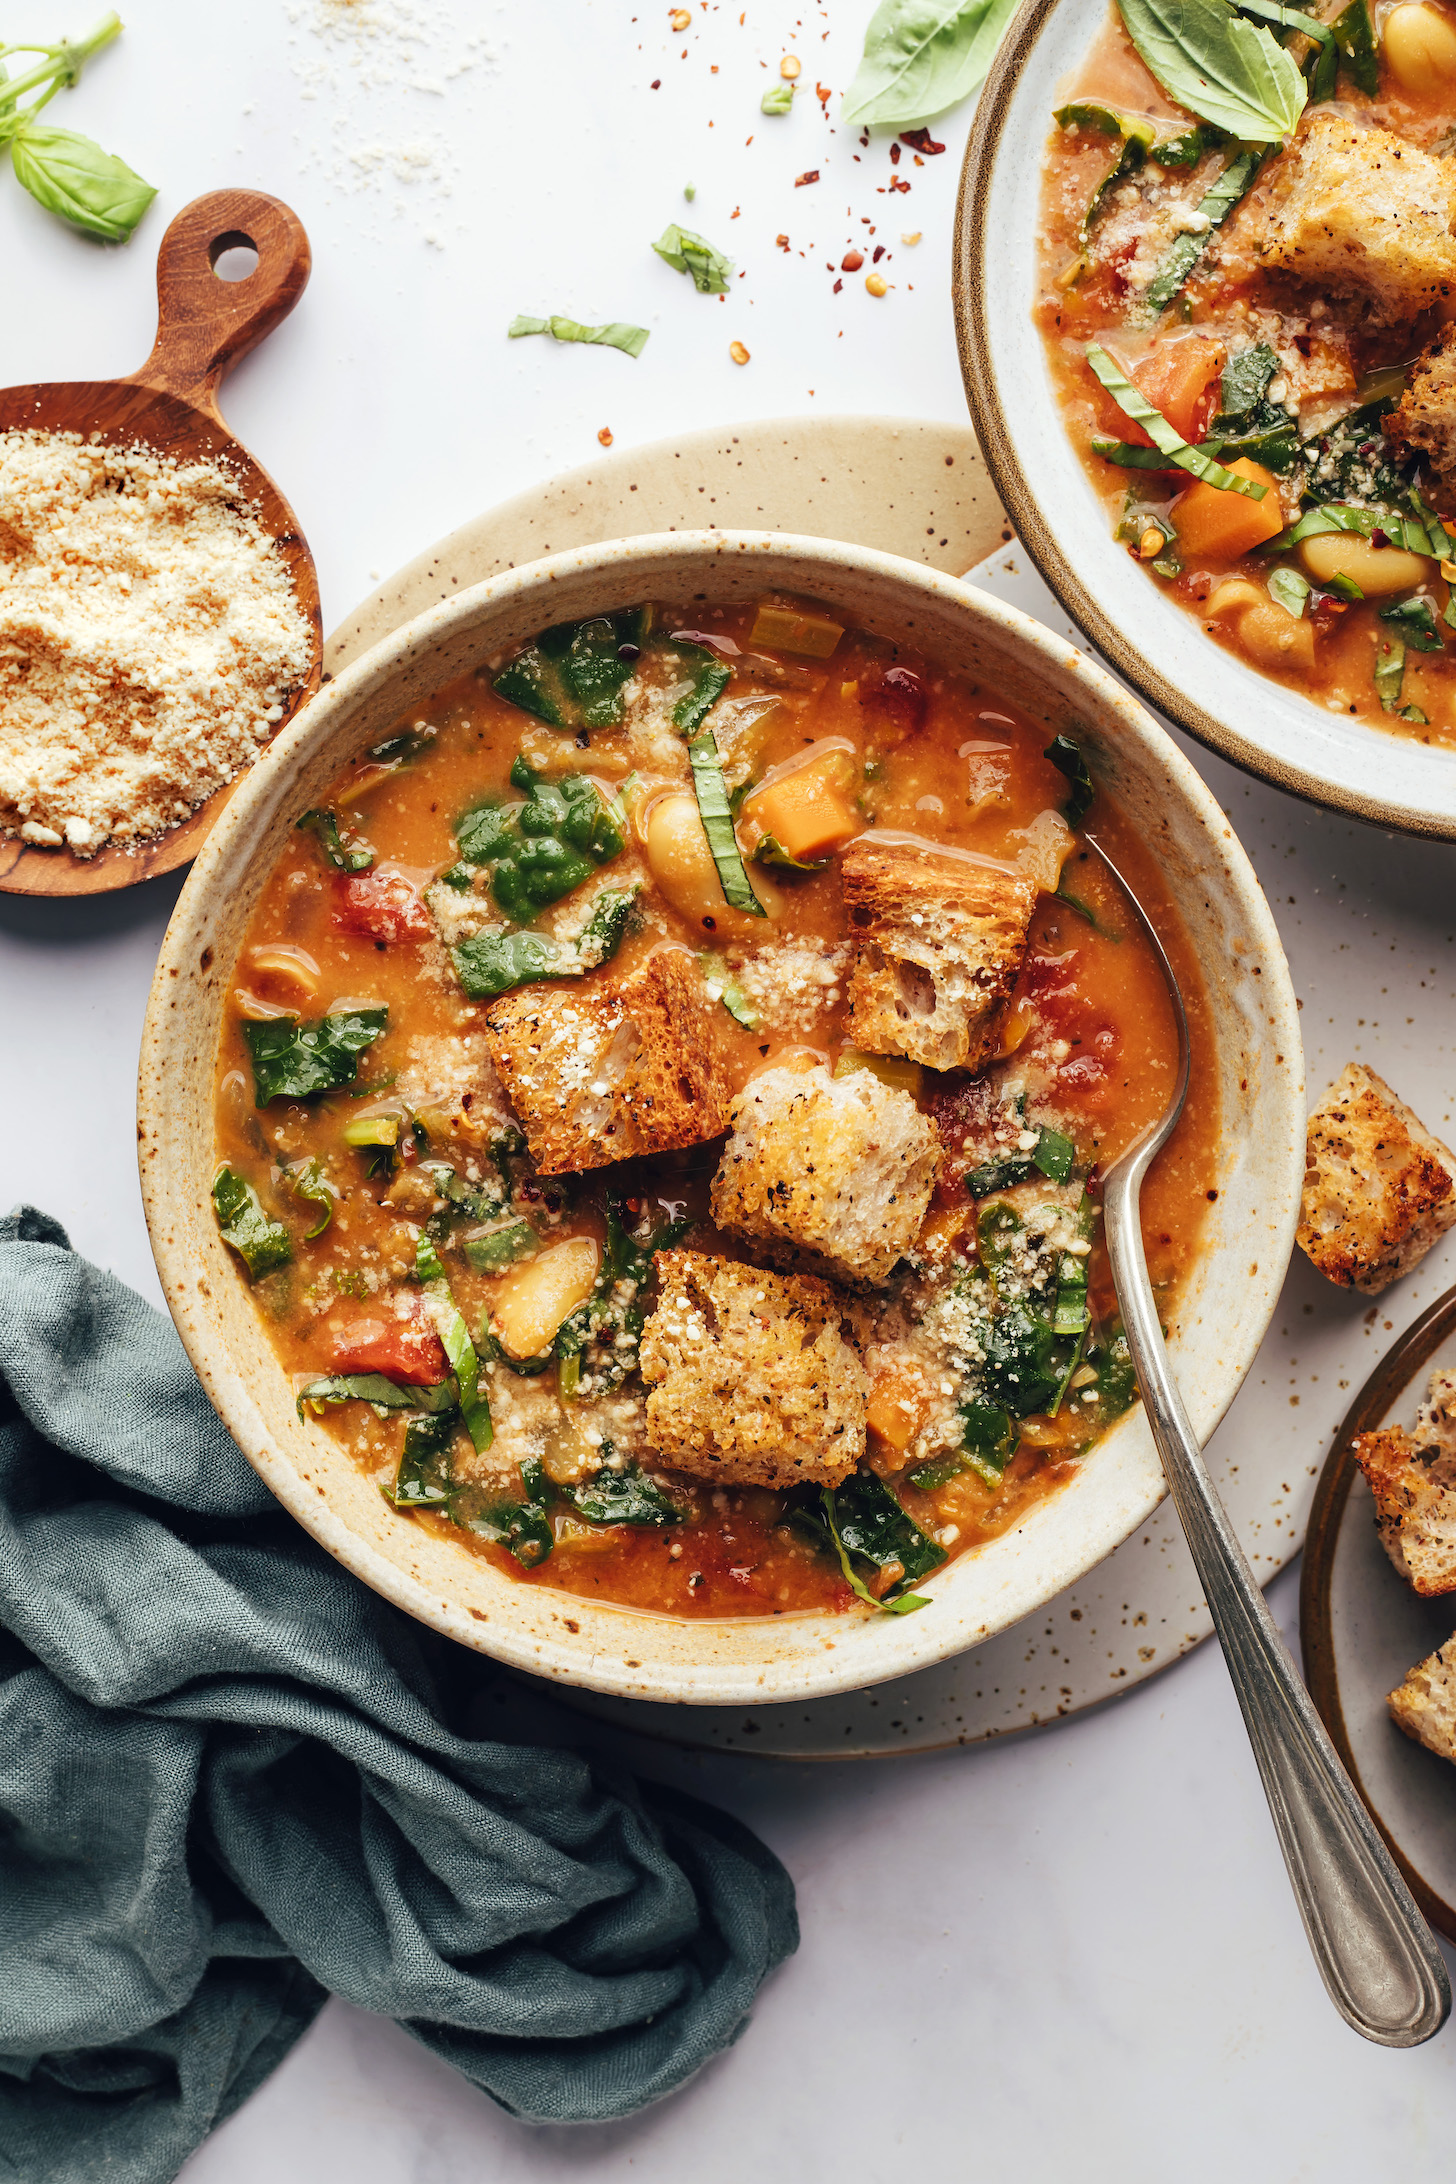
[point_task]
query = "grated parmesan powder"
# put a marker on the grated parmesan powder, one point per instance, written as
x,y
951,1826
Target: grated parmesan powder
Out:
x,y
150,637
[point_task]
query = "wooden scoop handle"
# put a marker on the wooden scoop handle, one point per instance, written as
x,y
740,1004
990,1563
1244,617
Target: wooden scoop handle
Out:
x,y
205,324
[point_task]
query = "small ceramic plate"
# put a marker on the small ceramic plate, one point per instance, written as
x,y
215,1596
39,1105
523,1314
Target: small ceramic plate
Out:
x,y
1162,650
1362,1629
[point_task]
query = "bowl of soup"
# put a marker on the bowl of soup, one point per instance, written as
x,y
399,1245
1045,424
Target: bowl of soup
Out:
x,y
1213,378
624,1094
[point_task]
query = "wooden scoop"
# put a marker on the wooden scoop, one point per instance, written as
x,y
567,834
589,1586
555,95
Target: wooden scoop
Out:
x,y
204,325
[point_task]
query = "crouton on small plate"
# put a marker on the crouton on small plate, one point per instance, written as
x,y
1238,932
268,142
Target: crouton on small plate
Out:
x,y
1415,1505
1379,1189
1425,416
1355,209
838,1168
1424,1706
609,1069
750,1375
939,938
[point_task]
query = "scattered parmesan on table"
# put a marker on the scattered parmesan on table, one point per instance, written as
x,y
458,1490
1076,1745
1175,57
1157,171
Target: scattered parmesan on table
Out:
x,y
150,639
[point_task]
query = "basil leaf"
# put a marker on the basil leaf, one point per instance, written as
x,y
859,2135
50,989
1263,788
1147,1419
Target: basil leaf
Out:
x,y
1054,1156
345,852
1161,433
1018,1372
869,1522
604,931
724,987
1333,516
1246,380
1389,673
425,1478
770,851
492,963
1355,36
778,99
1065,754
989,1439
1215,206
1271,11
1085,910
73,177
261,1244
459,1349
502,1248
1126,456
1117,1387
689,253
1289,590
631,340
711,681
573,676
717,818
923,56
1415,621
522,1528
1215,64
385,1395
298,1061
622,1497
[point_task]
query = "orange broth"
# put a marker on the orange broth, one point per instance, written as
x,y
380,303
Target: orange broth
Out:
x,y
1088,1029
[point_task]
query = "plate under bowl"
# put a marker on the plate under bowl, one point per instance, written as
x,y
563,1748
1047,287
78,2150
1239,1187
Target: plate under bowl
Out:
x,y
1391,780
1222,1317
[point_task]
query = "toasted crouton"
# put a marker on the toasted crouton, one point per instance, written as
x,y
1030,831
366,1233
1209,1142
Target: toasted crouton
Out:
x,y
1379,1189
600,1072
750,1374
939,939
1359,210
1424,1706
836,1168
1425,416
1415,1505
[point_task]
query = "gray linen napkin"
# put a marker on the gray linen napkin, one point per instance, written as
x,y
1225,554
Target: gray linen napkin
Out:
x,y
228,1788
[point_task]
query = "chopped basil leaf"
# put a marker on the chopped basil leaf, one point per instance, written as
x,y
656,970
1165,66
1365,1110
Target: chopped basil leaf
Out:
x,y
1389,673
1054,1155
770,851
1085,910
1402,531
1289,590
1354,35
522,1528
459,1349
502,1247
346,852
686,252
1246,380
1065,754
1415,621
298,1061
261,1244
778,99
1161,433
1215,64
988,1439
384,1394
724,987
631,340
717,818
709,684
1215,207
1285,18
622,1497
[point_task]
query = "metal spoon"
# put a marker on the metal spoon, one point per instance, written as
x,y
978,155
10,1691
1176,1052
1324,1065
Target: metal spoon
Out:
x,y
1375,1953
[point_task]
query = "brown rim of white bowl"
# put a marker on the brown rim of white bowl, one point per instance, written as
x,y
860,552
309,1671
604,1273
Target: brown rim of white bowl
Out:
x,y
1034,528
731,1660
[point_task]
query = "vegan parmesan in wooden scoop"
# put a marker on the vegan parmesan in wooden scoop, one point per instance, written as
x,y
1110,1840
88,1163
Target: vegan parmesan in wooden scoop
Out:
x,y
150,638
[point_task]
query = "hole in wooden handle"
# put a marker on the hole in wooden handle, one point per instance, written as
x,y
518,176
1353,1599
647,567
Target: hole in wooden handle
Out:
x,y
234,256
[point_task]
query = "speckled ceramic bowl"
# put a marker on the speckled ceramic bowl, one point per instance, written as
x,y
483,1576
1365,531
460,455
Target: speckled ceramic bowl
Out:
x,y
1163,651
1222,1319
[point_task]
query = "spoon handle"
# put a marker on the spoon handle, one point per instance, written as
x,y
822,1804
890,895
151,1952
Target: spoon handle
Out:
x,y
1376,1955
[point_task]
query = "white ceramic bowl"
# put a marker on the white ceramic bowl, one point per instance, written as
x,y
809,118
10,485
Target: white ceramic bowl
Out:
x,y
1222,1319
1160,648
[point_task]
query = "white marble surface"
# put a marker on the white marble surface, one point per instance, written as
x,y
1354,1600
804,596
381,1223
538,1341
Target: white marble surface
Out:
x,y
1074,1951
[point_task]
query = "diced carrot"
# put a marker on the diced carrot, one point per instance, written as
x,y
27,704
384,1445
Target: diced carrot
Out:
x,y
806,811
894,1410
1216,525
1179,377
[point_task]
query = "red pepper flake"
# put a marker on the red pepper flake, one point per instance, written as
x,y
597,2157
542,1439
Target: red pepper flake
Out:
x,y
851,261
802,180
920,140
657,83
605,435
894,155
897,182
823,93
733,215
837,286
782,241
879,252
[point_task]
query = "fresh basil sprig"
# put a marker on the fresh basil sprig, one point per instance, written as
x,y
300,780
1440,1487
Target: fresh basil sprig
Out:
x,y
631,340
923,56
68,174
1217,65
1135,405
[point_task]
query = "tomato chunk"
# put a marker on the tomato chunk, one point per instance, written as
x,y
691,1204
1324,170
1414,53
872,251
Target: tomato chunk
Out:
x,y
380,907
406,1350
1181,378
